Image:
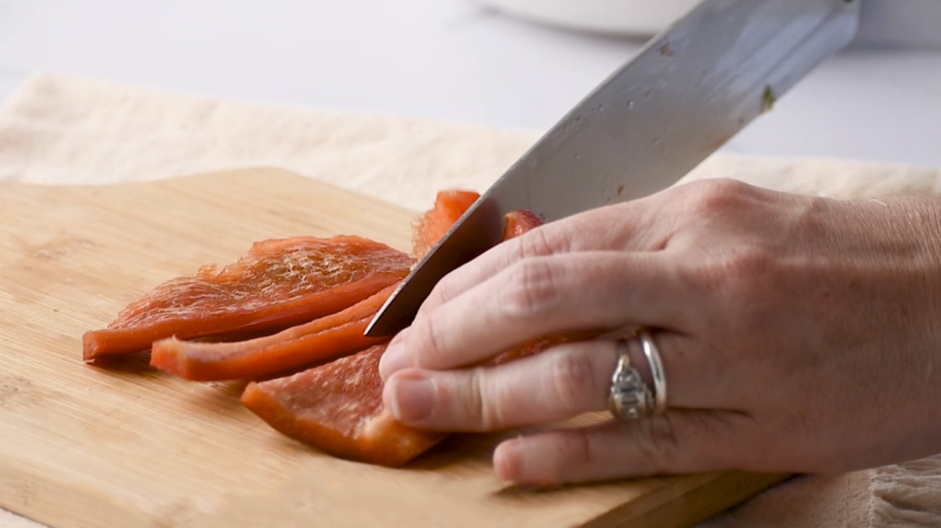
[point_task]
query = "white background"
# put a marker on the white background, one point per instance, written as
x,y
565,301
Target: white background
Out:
x,y
445,59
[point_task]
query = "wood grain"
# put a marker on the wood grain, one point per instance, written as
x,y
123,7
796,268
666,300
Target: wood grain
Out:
x,y
127,446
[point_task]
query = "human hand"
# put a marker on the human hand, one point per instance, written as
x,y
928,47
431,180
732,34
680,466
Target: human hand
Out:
x,y
797,334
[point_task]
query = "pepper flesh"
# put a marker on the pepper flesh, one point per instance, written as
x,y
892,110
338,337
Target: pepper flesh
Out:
x,y
321,339
337,408
277,284
434,224
519,222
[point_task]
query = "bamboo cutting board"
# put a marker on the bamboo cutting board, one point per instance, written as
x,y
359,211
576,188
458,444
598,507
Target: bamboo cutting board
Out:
x,y
127,446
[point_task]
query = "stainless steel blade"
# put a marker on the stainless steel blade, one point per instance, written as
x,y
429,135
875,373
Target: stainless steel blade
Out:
x,y
684,95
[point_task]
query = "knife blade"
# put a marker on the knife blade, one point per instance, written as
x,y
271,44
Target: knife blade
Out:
x,y
685,94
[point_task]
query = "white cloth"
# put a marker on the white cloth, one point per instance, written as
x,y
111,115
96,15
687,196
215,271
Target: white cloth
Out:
x,y
59,129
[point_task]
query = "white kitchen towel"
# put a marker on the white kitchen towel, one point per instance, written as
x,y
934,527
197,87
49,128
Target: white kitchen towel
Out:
x,y
63,130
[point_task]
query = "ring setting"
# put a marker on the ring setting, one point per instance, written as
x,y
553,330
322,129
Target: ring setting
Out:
x,y
630,398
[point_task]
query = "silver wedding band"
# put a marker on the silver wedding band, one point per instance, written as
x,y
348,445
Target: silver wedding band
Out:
x,y
630,398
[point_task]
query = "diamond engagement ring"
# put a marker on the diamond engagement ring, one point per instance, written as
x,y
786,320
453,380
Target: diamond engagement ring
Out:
x,y
630,398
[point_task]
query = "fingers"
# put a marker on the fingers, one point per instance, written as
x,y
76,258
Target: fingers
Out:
x,y
560,383
543,241
538,297
627,228
676,442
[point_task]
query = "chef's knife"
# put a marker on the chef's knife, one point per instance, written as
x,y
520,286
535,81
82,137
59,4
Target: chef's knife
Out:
x,y
684,95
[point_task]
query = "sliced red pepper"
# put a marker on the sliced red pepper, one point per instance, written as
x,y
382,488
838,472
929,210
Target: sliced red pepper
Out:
x,y
337,407
519,222
321,339
434,224
277,284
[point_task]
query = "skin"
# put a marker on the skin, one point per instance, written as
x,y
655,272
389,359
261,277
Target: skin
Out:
x,y
798,334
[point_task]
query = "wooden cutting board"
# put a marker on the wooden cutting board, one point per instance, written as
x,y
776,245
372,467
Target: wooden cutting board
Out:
x,y
84,446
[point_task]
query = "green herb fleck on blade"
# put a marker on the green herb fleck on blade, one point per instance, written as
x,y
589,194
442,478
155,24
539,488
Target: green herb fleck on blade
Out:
x,y
768,98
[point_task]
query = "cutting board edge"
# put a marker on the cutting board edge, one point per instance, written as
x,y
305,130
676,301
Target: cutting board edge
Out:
x,y
699,504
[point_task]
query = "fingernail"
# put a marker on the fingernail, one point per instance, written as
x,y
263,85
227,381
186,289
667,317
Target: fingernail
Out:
x,y
412,399
506,461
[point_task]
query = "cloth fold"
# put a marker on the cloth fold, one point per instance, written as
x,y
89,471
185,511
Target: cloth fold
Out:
x,y
65,130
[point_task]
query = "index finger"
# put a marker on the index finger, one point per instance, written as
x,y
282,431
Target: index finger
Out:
x,y
623,226
540,297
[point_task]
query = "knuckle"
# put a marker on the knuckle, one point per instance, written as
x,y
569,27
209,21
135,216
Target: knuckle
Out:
x,y
574,450
445,289
749,264
482,405
428,341
750,281
721,193
539,242
532,289
744,284
573,377
659,443
741,272
708,198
